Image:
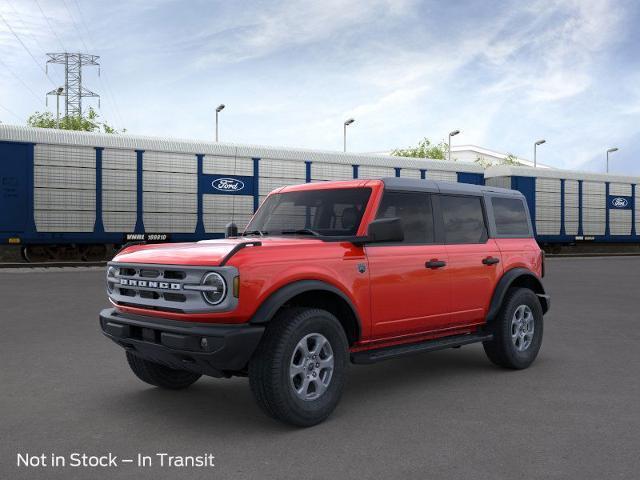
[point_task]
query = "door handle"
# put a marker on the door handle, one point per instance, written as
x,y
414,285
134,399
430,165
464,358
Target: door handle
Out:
x,y
490,260
435,264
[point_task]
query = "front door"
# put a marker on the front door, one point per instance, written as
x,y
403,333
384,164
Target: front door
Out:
x,y
410,283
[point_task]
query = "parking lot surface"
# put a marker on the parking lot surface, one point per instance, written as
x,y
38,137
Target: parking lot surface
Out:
x,y
574,414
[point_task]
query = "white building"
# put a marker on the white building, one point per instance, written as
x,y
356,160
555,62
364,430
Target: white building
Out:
x,y
470,153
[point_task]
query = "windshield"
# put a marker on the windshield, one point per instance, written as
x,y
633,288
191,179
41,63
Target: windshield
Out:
x,y
332,212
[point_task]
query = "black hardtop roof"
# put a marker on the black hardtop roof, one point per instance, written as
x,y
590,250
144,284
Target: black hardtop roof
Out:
x,y
435,186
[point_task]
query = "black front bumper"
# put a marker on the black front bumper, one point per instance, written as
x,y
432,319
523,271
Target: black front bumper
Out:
x,y
215,350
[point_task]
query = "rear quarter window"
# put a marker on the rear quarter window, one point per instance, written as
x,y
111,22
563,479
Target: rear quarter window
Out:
x,y
510,216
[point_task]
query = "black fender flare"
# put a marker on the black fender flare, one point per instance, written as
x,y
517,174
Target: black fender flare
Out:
x,y
507,280
276,300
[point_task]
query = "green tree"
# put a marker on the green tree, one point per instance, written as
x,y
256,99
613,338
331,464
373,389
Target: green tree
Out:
x,y
87,123
510,159
424,149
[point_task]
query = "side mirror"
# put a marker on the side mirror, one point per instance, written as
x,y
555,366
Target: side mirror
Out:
x,y
230,230
385,230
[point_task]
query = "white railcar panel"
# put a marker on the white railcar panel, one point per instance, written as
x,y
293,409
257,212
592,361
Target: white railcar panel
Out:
x,y
119,201
571,228
571,186
269,184
70,177
119,180
64,156
227,165
169,162
169,182
594,188
501,182
170,202
548,213
64,220
620,189
571,214
547,199
571,200
370,171
169,222
116,159
547,227
593,228
331,171
119,221
64,199
272,168
410,173
442,175
620,222
594,201
547,185
227,204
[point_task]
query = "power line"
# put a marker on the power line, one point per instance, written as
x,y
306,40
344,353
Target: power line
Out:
x,y
10,112
50,26
27,49
75,25
106,84
35,95
26,29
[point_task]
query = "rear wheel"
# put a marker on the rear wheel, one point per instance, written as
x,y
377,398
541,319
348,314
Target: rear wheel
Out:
x,y
298,371
517,330
159,375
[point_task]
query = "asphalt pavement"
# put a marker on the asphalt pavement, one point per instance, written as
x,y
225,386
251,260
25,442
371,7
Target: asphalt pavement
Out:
x,y
575,414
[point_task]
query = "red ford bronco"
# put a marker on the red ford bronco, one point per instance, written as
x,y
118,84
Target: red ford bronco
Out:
x,y
331,273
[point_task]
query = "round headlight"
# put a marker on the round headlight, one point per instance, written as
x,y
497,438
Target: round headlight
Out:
x,y
111,278
215,288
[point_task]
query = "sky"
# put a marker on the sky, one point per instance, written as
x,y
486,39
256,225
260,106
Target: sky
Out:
x,y
505,73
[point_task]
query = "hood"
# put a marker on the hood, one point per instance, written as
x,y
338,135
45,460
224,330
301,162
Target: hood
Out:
x,y
203,253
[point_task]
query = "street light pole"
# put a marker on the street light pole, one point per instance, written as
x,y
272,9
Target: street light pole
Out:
x,y
535,152
218,110
611,150
344,137
451,134
59,91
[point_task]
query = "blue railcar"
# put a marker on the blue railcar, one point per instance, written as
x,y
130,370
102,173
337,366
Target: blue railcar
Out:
x,y
569,206
75,193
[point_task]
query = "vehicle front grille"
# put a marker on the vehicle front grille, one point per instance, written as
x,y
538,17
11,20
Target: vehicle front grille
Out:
x,y
165,288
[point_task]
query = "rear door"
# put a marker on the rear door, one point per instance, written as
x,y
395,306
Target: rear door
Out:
x,y
407,295
474,258
13,186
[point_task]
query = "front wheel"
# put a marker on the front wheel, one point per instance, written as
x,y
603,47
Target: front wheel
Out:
x,y
517,330
298,371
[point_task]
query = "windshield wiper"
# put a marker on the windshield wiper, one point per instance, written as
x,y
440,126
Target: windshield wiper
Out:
x,y
254,232
301,231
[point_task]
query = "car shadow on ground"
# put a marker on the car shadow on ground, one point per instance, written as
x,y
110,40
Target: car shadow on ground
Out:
x,y
227,404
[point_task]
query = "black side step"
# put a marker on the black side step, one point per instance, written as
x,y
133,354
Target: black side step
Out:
x,y
387,353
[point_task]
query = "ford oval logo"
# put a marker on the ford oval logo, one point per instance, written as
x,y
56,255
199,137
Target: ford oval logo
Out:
x,y
619,202
227,184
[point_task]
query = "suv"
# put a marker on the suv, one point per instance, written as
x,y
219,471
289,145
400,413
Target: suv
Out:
x,y
327,274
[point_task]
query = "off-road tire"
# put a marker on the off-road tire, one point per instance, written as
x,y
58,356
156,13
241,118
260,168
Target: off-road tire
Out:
x,y
269,368
501,349
159,375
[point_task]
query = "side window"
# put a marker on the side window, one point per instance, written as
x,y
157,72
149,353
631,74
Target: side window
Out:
x,y
510,216
415,212
463,219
